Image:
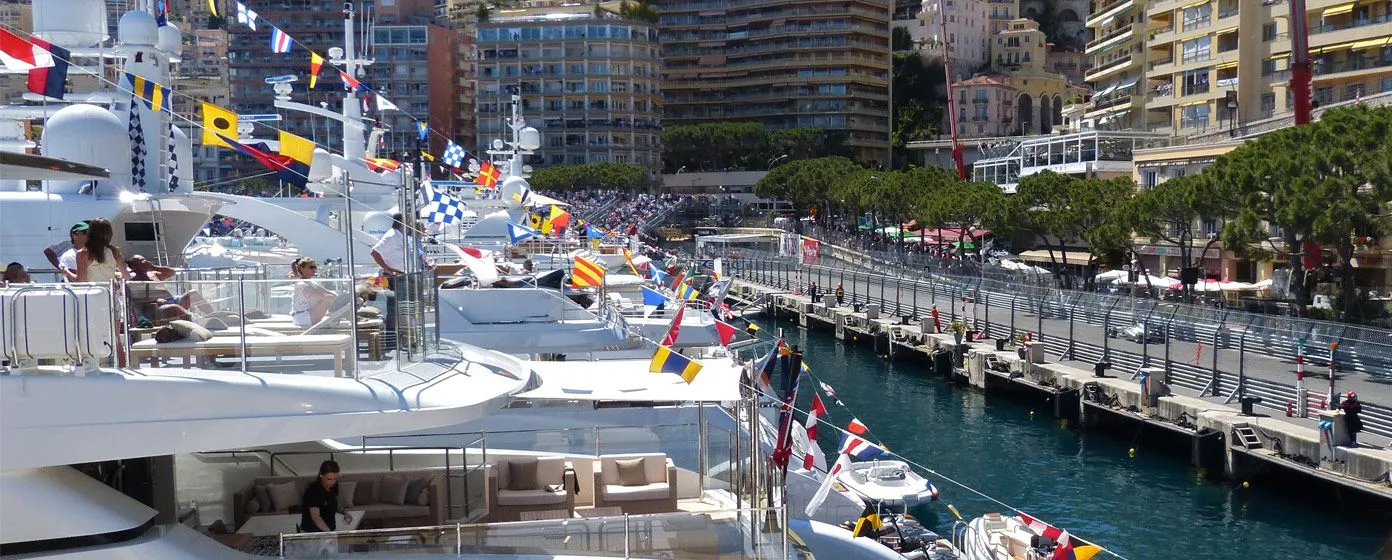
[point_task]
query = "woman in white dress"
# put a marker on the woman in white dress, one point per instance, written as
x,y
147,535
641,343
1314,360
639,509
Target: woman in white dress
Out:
x,y
310,301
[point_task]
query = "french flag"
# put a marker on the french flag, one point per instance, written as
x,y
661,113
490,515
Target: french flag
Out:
x,y
817,410
50,81
280,41
859,448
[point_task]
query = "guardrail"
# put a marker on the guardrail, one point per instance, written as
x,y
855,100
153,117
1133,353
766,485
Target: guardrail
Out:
x,y
974,300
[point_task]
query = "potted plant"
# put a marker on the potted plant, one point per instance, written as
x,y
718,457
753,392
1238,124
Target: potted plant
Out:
x,y
1019,341
958,330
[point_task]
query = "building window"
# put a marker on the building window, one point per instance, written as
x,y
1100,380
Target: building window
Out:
x,y
1268,104
1197,17
1197,49
1269,32
1352,91
1210,228
1324,95
1194,116
1195,82
1268,67
1387,84
1148,179
961,114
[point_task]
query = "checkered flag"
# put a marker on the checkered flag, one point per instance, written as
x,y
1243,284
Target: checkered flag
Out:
x,y
454,156
439,208
137,143
173,160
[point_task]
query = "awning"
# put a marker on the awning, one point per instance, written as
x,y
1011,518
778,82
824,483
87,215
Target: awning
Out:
x,y
1340,9
1226,65
1354,45
1125,85
1068,257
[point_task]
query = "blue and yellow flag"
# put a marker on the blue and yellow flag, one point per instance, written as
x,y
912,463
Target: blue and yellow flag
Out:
x,y
667,360
685,291
155,96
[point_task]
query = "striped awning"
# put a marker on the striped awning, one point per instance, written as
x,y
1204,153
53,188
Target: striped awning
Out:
x,y
1340,9
1078,258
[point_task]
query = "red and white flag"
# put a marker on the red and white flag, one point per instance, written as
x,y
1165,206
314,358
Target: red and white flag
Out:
x,y
19,55
817,410
824,490
1060,536
856,427
675,329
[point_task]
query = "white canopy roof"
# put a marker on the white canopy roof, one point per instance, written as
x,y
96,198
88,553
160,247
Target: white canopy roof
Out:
x,y
629,380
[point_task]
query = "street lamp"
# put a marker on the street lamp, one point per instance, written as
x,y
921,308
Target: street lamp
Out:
x,y
774,160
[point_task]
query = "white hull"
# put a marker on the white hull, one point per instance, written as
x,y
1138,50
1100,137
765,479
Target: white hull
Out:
x,y
891,484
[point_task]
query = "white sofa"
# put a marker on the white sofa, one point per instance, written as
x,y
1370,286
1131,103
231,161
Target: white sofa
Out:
x,y
505,504
656,494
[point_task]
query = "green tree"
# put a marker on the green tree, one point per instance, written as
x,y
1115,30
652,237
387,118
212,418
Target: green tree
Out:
x,y
920,97
1064,209
620,176
806,183
1321,183
967,204
900,39
1172,212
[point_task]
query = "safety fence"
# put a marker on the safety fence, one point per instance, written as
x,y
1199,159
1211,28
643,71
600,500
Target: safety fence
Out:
x,y
1211,351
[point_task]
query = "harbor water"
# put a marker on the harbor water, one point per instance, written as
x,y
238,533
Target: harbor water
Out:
x,y
1150,505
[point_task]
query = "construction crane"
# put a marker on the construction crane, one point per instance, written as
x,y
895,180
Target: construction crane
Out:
x,y
951,101
1300,62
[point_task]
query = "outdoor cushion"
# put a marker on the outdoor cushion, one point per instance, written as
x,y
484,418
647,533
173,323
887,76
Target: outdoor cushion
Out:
x,y
188,330
522,474
653,491
530,497
284,495
346,489
631,472
392,490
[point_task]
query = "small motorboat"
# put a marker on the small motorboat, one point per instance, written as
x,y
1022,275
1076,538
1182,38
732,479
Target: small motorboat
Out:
x,y
1002,537
891,484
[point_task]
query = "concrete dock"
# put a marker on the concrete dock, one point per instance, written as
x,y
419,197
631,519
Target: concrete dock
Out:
x,y
1220,436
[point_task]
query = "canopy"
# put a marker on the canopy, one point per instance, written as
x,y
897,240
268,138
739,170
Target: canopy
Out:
x,y
538,199
629,380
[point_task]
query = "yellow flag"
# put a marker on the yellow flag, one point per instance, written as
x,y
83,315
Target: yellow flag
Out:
x,y
297,148
218,121
212,7
315,61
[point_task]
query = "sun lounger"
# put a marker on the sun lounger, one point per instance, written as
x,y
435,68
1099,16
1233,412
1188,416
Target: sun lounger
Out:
x,y
339,345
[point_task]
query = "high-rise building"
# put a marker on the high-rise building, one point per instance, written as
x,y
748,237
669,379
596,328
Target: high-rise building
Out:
x,y
785,64
1117,64
589,79
968,39
417,69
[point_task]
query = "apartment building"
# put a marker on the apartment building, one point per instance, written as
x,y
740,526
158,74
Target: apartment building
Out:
x,y
985,106
968,35
418,68
782,63
1020,52
1117,62
1350,48
1002,13
589,79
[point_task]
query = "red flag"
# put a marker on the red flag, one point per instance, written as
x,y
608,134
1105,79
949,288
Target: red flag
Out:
x,y
856,427
673,330
725,331
350,83
19,55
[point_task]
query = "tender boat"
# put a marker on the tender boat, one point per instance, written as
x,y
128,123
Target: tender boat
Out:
x,y
891,484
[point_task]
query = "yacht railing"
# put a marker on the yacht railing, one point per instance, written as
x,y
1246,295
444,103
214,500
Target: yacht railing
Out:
x,y
727,533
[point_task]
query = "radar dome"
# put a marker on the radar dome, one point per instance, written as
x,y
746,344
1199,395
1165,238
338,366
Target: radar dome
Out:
x,y
91,135
512,185
171,42
529,138
138,28
70,23
376,223
320,166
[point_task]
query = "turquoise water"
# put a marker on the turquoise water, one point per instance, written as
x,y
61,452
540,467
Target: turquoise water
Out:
x,y
1150,506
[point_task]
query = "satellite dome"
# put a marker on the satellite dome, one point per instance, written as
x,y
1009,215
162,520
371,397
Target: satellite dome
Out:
x,y
171,41
70,23
91,135
512,187
138,28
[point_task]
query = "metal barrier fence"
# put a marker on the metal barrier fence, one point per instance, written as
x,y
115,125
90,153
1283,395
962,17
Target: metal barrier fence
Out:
x,y
1359,348
1067,322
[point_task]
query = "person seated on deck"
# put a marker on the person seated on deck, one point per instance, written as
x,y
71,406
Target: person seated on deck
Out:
x,y
310,301
15,274
150,298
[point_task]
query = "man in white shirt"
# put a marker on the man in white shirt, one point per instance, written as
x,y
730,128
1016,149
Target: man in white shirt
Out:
x,y
63,255
390,253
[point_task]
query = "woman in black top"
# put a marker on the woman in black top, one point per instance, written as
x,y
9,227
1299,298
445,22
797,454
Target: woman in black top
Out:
x,y
319,507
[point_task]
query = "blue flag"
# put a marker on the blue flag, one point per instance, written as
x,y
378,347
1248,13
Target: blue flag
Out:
x,y
422,130
517,234
659,277
591,231
652,297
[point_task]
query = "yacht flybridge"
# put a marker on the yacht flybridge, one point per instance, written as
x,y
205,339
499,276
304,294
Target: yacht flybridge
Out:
x,y
185,414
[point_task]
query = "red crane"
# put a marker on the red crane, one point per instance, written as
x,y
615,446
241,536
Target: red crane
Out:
x,y
1300,62
951,101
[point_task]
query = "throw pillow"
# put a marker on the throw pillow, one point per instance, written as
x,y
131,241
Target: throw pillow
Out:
x,y
214,324
263,497
522,474
392,490
423,499
413,489
346,489
191,330
367,491
167,334
252,507
631,472
369,312
284,495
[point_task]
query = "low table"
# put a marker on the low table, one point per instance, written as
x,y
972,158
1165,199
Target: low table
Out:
x,y
544,515
287,523
608,511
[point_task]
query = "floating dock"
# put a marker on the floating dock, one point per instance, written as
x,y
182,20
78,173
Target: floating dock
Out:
x,y
1220,436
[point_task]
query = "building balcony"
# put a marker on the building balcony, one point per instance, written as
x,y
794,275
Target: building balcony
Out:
x,y
1107,68
1109,39
1113,104
1159,68
1108,8
1351,68
1352,31
1161,35
1164,6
